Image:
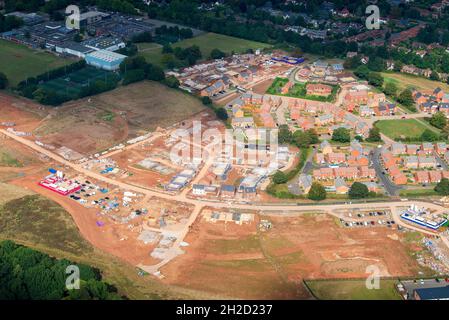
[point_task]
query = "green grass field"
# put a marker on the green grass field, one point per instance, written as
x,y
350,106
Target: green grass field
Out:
x,y
299,91
402,127
353,290
152,52
207,42
20,62
417,193
404,81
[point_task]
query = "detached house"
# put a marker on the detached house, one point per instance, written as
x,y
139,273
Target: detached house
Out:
x,y
318,89
213,89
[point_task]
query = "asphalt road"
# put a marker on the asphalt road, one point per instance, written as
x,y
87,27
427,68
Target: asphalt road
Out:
x,y
389,186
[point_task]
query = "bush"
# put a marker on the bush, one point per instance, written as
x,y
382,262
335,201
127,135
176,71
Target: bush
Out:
x,y
279,177
406,98
3,81
28,274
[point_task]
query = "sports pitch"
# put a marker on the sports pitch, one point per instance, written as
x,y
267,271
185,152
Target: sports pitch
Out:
x,y
19,62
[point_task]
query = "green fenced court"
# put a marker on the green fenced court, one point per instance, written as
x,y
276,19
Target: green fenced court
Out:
x,y
73,83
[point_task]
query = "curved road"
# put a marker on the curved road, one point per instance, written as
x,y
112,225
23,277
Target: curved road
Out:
x,y
199,204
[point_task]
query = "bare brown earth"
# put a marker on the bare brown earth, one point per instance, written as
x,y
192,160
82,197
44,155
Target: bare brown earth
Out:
x,y
262,87
240,262
112,238
94,124
25,113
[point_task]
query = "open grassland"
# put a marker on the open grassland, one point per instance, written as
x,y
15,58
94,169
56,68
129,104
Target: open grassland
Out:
x,y
209,41
206,42
19,62
404,81
353,290
8,160
152,52
402,128
39,223
13,157
9,192
149,105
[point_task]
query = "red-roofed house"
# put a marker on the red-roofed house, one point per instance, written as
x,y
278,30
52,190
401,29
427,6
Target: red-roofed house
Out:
x,y
435,176
422,177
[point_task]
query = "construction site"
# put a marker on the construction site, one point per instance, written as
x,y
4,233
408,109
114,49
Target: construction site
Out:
x,y
203,223
268,257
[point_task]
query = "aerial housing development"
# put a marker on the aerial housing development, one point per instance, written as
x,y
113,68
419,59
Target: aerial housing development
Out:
x,y
224,150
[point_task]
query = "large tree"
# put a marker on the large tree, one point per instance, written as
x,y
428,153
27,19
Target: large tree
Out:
x,y
374,135
406,98
438,120
442,187
317,192
375,79
390,89
358,191
341,135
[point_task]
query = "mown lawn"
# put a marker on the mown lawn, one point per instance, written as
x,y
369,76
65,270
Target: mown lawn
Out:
x,y
418,193
403,127
353,290
19,62
298,90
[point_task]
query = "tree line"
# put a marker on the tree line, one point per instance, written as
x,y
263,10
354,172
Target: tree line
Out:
x,y
27,274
